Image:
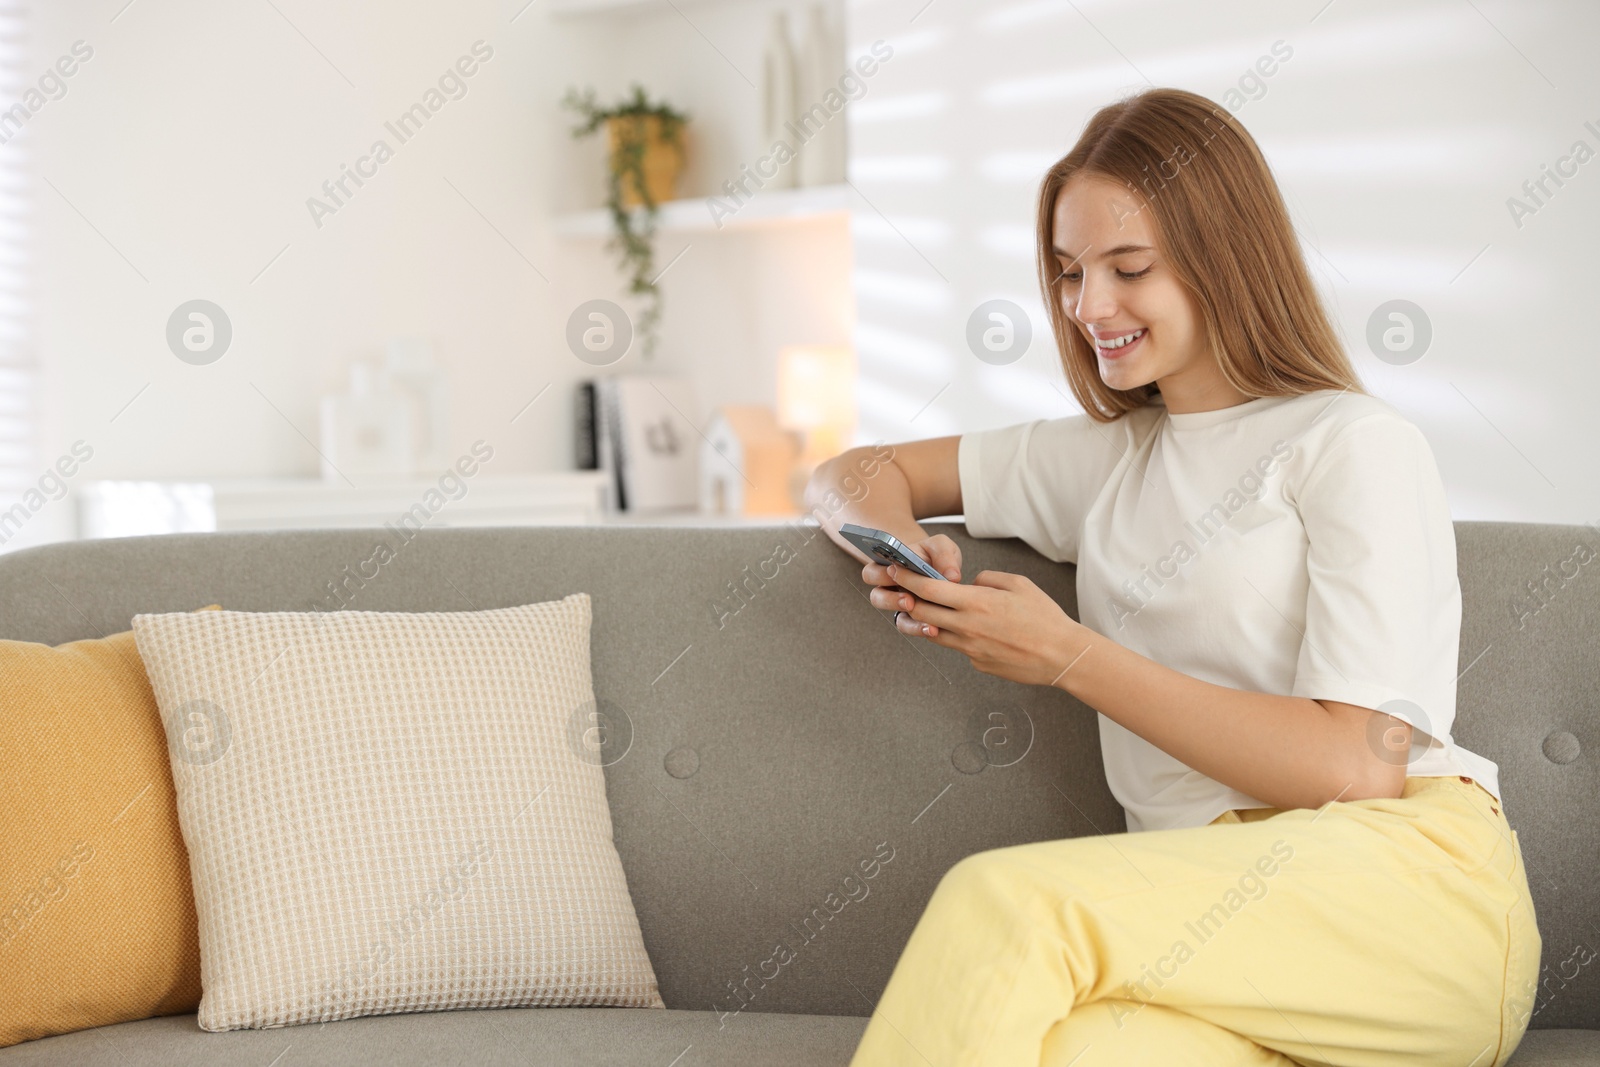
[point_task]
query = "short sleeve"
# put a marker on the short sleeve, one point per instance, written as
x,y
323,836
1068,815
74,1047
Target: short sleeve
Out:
x,y
1383,605
1036,480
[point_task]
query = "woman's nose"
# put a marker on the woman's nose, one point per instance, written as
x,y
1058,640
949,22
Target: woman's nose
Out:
x,y
1095,302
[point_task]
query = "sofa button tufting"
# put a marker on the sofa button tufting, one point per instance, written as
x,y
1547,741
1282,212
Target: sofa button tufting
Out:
x,y
682,762
1561,747
969,757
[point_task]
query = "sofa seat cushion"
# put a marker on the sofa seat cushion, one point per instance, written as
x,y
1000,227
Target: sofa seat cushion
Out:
x,y
514,1037
1558,1048
544,1037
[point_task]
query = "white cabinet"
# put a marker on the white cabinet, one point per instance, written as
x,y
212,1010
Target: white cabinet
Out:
x,y
126,508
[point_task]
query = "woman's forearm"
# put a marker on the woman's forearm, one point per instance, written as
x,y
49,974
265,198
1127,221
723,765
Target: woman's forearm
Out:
x,y
1290,752
866,487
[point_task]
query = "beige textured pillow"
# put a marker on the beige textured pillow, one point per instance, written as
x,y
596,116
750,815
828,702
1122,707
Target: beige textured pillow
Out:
x,y
383,813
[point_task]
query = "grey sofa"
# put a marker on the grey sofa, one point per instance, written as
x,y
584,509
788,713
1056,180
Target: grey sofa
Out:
x,y
782,732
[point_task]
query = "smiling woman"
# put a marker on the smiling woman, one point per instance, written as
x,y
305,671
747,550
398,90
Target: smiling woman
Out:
x,y
1294,680
1206,221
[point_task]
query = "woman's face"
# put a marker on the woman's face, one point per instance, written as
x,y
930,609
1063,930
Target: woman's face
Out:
x,y
1116,286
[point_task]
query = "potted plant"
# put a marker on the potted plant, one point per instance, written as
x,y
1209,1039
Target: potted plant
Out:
x,y
646,156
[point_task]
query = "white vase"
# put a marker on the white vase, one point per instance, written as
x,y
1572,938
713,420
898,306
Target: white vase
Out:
x,y
409,369
368,431
779,98
822,160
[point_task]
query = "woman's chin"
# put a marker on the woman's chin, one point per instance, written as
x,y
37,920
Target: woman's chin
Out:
x,y
1122,376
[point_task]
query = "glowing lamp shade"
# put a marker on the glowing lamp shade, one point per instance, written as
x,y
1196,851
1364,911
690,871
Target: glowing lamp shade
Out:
x,y
817,396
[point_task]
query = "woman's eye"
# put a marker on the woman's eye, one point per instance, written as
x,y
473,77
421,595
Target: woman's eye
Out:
x,y
1072,277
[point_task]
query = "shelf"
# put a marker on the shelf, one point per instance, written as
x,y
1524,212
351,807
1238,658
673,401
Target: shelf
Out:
x,y
769,207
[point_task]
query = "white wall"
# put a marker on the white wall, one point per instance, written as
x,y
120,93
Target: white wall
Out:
x,y
186,148
1397,131
179,163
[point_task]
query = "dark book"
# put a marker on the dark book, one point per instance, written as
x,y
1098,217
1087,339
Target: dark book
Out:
x,y
608,438
586,451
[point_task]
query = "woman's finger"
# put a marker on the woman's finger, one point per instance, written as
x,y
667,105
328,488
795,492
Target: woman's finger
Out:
x,y
951,594
890,598
925,611
912,628
950,639
944,554
876,574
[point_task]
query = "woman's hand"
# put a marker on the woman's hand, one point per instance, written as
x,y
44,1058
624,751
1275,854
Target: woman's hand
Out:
x,y
1003,623
939,550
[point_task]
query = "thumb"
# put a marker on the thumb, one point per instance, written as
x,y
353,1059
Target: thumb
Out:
x,y
945,557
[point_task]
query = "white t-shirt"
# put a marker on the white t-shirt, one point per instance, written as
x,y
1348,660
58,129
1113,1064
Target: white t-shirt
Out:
x,y
1292,545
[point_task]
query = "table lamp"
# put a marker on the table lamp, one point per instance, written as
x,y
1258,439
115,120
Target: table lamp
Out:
x,y
817,399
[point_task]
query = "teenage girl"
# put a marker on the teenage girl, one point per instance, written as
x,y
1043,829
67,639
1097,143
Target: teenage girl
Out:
x,y
1314,872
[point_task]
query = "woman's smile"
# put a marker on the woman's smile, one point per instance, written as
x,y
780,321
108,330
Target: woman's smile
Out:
x,y
1117,345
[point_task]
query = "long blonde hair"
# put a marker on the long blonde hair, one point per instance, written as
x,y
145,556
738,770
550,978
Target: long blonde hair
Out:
x,y
1224,230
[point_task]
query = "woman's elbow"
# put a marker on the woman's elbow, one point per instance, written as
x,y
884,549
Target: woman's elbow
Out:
x,y
828,478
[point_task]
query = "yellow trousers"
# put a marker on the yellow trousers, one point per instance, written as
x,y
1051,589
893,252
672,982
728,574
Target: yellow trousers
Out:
x,y
1372,932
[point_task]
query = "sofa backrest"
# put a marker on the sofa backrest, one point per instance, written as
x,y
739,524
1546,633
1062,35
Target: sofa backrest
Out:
x,y
789,777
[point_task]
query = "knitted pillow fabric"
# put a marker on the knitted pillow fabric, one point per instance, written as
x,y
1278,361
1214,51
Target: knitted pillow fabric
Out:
x,y
383,813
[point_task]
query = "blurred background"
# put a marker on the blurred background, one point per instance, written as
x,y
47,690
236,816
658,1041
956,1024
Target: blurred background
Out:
x,y
274,263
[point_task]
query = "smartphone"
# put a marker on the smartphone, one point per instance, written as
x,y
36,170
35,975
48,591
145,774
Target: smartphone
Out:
x,y
885,548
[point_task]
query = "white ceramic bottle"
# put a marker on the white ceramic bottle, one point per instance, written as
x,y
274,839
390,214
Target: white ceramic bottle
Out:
x,y
822,160
779,97
410,369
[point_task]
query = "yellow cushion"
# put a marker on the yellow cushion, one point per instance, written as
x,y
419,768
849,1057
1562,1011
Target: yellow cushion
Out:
x,y
97,920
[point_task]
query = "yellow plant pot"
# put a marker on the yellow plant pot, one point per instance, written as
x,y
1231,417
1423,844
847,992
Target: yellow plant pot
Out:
x,y
662,163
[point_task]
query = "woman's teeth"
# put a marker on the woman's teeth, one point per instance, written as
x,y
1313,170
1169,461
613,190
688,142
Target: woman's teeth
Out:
x,y
1120,341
